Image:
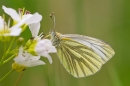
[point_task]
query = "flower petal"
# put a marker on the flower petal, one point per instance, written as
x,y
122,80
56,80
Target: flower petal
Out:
x,y
52,49
12,13
34,28
35,18
19,24
20,59
48,56
15,32
40,47
34,63
48,42
1,23
49,46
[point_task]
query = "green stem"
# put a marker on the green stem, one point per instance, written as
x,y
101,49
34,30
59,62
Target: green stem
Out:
x,y
6,75
10,45
16,84
4,55
8,59
6,52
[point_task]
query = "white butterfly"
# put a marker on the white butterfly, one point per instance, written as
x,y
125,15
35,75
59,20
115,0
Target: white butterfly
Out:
x,y
81,55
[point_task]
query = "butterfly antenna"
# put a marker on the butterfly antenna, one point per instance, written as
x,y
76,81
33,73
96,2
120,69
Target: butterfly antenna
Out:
x,y
53,19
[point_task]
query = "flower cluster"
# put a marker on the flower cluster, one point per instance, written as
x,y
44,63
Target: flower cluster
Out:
x,y
25,54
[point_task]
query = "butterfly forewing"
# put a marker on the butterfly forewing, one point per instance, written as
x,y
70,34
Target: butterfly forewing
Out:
x,y
81,55
100,47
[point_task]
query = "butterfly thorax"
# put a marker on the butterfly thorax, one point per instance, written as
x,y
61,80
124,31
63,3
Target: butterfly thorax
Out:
x,y
55,38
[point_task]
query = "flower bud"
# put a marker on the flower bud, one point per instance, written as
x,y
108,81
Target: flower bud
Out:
x,y
30,46
31,49
29,42
20,41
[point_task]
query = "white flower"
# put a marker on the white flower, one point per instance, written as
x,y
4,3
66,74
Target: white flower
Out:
x,y
24,60
40,47
44,47
6,31
22,17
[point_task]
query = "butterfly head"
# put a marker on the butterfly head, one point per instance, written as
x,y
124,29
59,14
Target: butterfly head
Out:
x,y
52,33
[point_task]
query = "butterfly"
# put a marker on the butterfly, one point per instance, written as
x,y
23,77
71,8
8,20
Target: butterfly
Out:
x,y
81,55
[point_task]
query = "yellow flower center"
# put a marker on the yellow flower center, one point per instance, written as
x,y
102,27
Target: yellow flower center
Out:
x,y
18,67
4,31
3,36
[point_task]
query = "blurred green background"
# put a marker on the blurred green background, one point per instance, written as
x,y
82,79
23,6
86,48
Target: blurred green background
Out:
x,y
108,20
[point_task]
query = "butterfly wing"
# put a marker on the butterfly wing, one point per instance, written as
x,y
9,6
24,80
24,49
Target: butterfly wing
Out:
x,y
99,46
81,55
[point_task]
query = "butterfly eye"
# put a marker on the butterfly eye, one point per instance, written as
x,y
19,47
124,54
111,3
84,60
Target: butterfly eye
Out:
x,y
52,33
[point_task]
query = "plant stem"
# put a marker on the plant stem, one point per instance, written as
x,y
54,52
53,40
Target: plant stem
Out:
x,y
6,52
8,59
4,55
10,45
6,75
114,76
16,84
